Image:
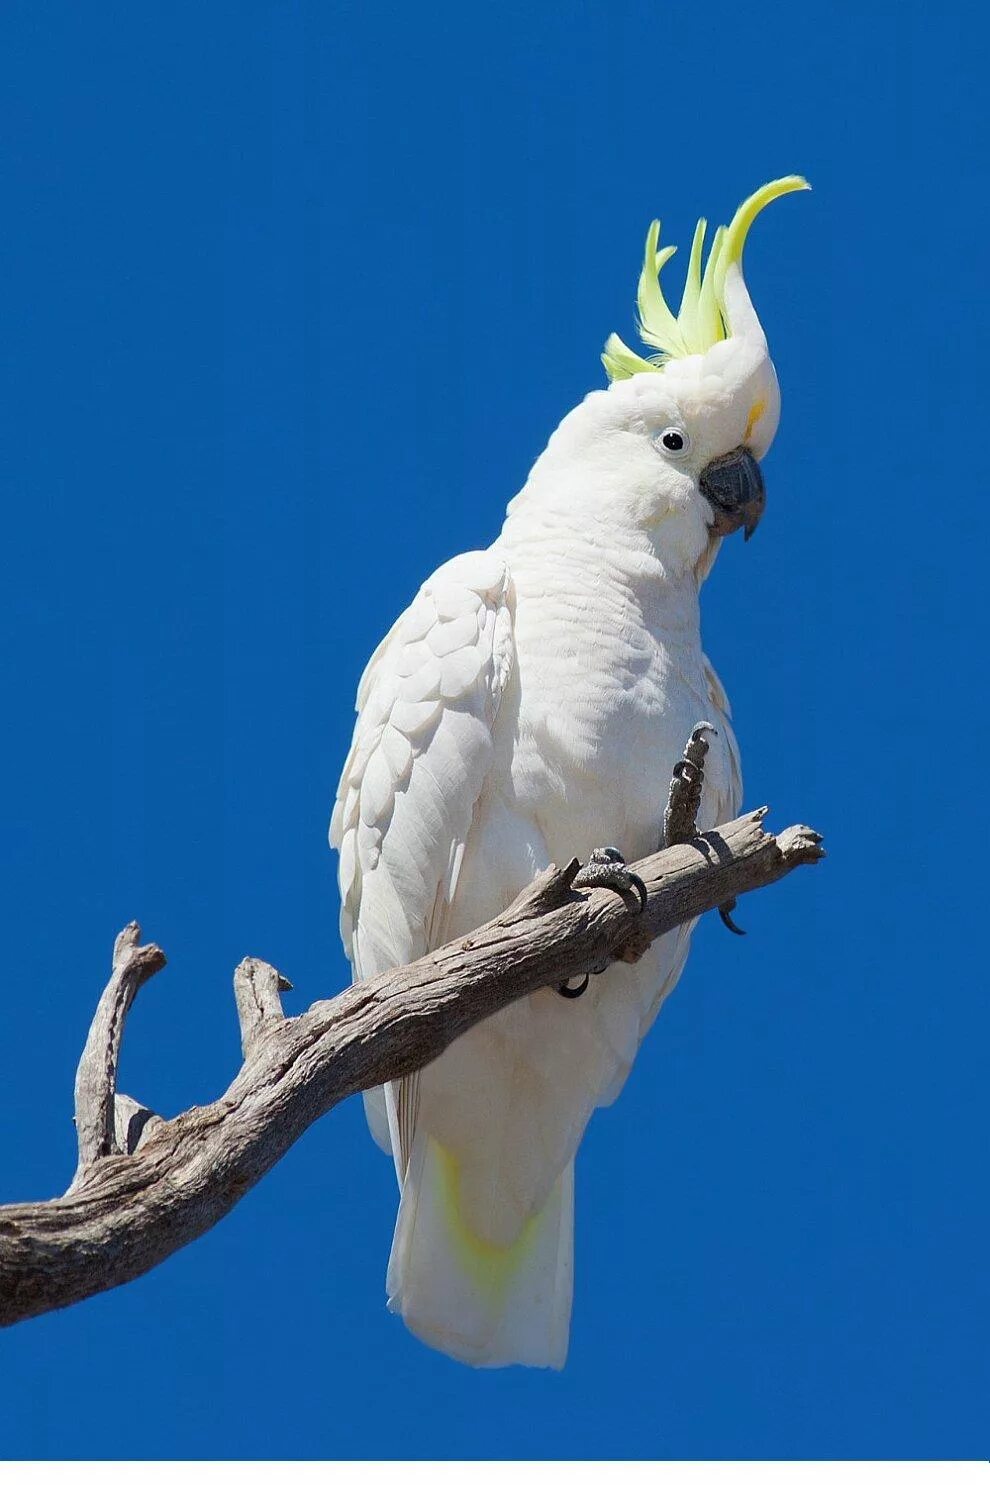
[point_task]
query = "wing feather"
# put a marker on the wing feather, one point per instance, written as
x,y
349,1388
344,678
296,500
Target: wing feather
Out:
x,y
421,753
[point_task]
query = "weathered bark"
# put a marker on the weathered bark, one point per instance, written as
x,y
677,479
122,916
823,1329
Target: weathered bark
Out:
x,y
97,1129
146,1185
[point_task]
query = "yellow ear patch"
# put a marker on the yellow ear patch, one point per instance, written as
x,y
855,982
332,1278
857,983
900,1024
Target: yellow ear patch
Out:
x,y
755,414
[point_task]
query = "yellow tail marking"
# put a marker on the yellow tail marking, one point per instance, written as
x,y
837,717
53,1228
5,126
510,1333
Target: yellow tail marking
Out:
x,y
490,1265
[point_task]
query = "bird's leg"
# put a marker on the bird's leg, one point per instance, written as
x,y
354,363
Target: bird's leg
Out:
x,y
680,818
605,867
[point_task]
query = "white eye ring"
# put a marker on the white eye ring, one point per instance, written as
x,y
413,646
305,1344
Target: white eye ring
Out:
x,y
673,443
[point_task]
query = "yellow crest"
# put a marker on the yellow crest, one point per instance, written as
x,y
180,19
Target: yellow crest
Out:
x,y
702,320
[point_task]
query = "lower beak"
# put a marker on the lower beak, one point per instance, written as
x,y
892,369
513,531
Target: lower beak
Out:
x,y
733,486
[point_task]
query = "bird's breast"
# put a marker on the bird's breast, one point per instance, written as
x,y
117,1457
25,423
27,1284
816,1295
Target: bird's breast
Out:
x,y
604,698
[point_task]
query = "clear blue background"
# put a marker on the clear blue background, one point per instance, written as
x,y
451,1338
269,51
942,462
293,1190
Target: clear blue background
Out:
x,y
291,295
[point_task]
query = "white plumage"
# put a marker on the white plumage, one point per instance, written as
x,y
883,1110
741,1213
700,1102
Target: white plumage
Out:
x,y
528,706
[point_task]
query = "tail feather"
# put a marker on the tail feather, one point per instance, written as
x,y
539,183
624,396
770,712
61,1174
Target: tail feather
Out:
x,y
484,1303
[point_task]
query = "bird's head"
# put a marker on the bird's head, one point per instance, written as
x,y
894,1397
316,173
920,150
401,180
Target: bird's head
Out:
x,y
673,447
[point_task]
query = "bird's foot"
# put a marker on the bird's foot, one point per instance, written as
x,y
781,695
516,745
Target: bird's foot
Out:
x,y
605,867
680,818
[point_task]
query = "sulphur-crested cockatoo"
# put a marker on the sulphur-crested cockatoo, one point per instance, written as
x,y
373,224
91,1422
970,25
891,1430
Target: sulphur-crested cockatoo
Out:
x,y
527,707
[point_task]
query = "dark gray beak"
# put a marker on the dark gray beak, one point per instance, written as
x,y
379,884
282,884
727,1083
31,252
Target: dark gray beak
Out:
x,y
733,486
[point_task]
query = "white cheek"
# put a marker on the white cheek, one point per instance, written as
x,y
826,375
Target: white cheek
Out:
x,y
684,537
677,516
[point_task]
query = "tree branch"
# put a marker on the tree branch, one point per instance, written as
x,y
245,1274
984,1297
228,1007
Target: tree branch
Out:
x,y
96,1076
147,1186
257,991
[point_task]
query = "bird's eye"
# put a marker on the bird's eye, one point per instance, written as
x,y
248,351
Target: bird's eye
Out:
x,y
673,441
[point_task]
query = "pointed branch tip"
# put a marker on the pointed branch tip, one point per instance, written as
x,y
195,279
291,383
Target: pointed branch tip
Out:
x,y
257,990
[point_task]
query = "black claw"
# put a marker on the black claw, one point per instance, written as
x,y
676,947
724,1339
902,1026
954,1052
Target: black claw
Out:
x,y
725,913
573,992
639,886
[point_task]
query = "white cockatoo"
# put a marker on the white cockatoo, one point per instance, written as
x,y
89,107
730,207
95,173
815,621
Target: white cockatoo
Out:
x,y
529,706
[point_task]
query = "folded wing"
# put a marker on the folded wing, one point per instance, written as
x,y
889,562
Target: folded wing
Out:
x,y
421,754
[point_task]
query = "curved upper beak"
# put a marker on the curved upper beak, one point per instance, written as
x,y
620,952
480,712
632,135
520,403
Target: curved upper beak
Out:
x,y
733,486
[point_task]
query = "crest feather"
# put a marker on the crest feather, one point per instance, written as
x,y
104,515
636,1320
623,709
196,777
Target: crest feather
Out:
x,y
702,319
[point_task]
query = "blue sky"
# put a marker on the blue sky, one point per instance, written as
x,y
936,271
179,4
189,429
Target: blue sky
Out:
x,y
291,295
